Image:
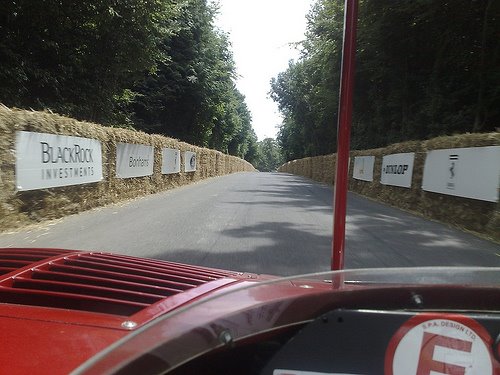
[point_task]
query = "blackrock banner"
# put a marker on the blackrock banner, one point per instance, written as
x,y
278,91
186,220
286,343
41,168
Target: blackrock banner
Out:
x,y
189,161
363,168
49,160
134,160
397,169
464,172
171,161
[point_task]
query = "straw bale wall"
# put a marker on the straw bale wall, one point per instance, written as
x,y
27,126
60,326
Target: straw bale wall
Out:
x,y
18,208
470,214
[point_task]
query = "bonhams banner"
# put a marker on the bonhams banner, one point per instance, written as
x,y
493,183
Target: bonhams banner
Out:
x,y
49,160
397,169
134,160
465,172
171,161
363,168
189,161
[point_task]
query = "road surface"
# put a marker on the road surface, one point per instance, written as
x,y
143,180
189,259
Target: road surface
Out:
x,y
260,222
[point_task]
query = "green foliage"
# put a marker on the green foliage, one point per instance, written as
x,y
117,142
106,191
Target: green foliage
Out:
x,y
76,57
423,68
160,66
269,156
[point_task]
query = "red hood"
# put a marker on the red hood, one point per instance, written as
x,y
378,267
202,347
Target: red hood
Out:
x,y
60,307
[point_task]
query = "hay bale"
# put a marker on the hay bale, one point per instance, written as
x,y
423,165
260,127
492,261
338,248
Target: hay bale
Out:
x,y
469,214
21,208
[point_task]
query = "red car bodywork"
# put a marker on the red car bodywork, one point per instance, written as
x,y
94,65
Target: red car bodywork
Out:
x,y
59,308
98,313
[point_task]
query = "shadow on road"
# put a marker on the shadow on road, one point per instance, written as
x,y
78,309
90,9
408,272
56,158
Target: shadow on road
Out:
x,y
290,250
382,236
376,236
294,192
263,223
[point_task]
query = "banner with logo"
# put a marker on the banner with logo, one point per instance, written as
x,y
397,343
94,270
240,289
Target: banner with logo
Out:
x,y
134,160
397,169
49,160
464,172
189,161
170,161
363,168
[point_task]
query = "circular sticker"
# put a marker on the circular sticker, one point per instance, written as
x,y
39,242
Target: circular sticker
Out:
x,y
429,344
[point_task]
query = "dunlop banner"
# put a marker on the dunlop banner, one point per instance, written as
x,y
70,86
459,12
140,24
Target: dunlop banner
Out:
x,y
465,172
397,169
134,160
49,160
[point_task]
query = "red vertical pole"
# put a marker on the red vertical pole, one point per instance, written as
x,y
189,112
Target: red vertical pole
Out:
x,y
344,133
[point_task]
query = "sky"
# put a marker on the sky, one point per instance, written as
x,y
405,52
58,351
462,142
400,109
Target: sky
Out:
x,y
261,32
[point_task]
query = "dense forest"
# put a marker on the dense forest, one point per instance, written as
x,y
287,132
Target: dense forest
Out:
x,y
160,66
423,68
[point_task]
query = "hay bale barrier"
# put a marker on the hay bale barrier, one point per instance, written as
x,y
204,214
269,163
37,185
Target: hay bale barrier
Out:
x,y
19,208
478,216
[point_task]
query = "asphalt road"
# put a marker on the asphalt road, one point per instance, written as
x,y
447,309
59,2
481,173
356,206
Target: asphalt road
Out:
x,y
260,222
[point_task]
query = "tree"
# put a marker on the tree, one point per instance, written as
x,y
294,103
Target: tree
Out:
x,y
423,69
158,66
269,156
192,95
78,58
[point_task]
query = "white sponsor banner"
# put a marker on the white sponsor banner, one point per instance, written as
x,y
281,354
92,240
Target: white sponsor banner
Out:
x,y
464,172
134,160
170,161
49,160
397,169
363,168
189,161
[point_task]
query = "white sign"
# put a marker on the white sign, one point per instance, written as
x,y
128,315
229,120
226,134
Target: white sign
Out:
x,y
464,172
170,161
363,168
397,169
189,161
49,160
134,160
